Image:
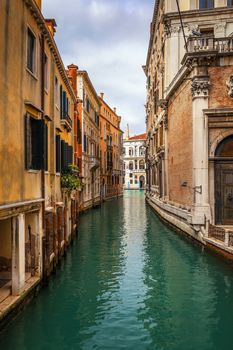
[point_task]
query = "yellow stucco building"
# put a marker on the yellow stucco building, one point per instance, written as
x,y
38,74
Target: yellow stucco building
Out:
x,y
36,105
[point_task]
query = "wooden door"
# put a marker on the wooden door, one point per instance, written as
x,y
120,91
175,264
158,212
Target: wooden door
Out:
x,y
224,193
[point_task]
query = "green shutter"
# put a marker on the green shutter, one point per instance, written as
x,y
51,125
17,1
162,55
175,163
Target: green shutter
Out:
x,y
58,154
37,138
27,143
46,147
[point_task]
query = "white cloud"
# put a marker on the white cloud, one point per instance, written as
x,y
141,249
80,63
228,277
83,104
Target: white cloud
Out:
x,y
109,39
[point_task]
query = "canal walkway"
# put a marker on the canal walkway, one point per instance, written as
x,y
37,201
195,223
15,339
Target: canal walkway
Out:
x,y
129,282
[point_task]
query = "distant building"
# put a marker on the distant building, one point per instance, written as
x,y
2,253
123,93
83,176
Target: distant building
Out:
x,y
111,138
134,161
89,110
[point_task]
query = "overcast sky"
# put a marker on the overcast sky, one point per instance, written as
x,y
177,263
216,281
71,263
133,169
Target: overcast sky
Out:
x,y
109,39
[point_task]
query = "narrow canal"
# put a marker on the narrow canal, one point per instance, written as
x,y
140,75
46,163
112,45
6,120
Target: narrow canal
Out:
x,y
129,282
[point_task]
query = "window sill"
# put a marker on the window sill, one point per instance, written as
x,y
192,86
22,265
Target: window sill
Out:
x,y
32,74
32,171
58,174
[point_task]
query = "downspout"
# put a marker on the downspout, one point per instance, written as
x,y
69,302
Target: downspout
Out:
x,y
44,240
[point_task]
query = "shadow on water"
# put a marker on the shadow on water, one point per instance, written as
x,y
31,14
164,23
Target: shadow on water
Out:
x,y
129,282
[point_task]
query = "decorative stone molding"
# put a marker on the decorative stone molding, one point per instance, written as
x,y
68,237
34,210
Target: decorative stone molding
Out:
x,y
200,87
171,29
163,104
196,61
193,28
229,84
220,28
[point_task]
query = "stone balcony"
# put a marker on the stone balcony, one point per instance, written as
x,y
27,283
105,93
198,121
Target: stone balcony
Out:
x,y
203,44
66,121
94,163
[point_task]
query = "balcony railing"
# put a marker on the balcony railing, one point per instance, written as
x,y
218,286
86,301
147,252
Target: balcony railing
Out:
x,y
66,121
94,163
203,44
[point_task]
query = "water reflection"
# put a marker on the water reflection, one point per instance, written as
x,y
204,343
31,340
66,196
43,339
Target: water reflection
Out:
x,y
129,282
186,298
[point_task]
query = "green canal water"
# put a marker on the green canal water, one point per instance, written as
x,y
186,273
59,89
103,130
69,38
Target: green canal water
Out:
x,y
129,282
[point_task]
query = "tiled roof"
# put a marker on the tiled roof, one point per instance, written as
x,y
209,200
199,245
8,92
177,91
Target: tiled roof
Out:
x,y
138,137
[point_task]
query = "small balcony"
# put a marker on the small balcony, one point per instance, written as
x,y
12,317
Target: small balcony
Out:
x,y
66,121
94,163
210,44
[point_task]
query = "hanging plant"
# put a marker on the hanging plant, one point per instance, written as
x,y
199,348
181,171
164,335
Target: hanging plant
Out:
x,y
70,179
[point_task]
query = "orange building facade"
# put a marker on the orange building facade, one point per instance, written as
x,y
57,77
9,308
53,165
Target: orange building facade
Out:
x,y
111,138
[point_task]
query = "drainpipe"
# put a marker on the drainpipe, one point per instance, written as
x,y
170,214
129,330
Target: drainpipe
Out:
x,y
44,241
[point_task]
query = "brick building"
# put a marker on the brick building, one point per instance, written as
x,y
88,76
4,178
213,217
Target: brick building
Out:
x,y
190,118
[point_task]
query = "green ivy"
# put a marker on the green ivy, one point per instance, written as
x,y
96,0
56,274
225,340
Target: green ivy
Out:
x,y
70,179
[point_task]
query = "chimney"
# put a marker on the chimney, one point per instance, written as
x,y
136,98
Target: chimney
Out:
x,y
72,75
127,132
102,95
51,23
114,109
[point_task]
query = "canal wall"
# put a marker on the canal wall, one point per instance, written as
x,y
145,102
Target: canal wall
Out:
x,y
180,220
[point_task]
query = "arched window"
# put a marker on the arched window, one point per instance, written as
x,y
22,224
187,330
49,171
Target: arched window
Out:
x,y
141,165
141,151
225,148
130,165
130,151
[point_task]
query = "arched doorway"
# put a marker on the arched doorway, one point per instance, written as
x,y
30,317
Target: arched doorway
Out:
x,y
141,182
224,182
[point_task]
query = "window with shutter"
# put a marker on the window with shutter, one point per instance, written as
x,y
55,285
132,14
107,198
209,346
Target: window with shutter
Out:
x,y
31,48
64,103
62,156
27,141
61,101
85,143
35,143
70,155
46,147
58,154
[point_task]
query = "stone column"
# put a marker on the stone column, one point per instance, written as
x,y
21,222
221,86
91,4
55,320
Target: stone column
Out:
x,y
18,254
200,92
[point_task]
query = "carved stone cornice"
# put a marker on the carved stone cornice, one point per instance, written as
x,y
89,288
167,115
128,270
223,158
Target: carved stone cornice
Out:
x,y
170,29
200,87
199,60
